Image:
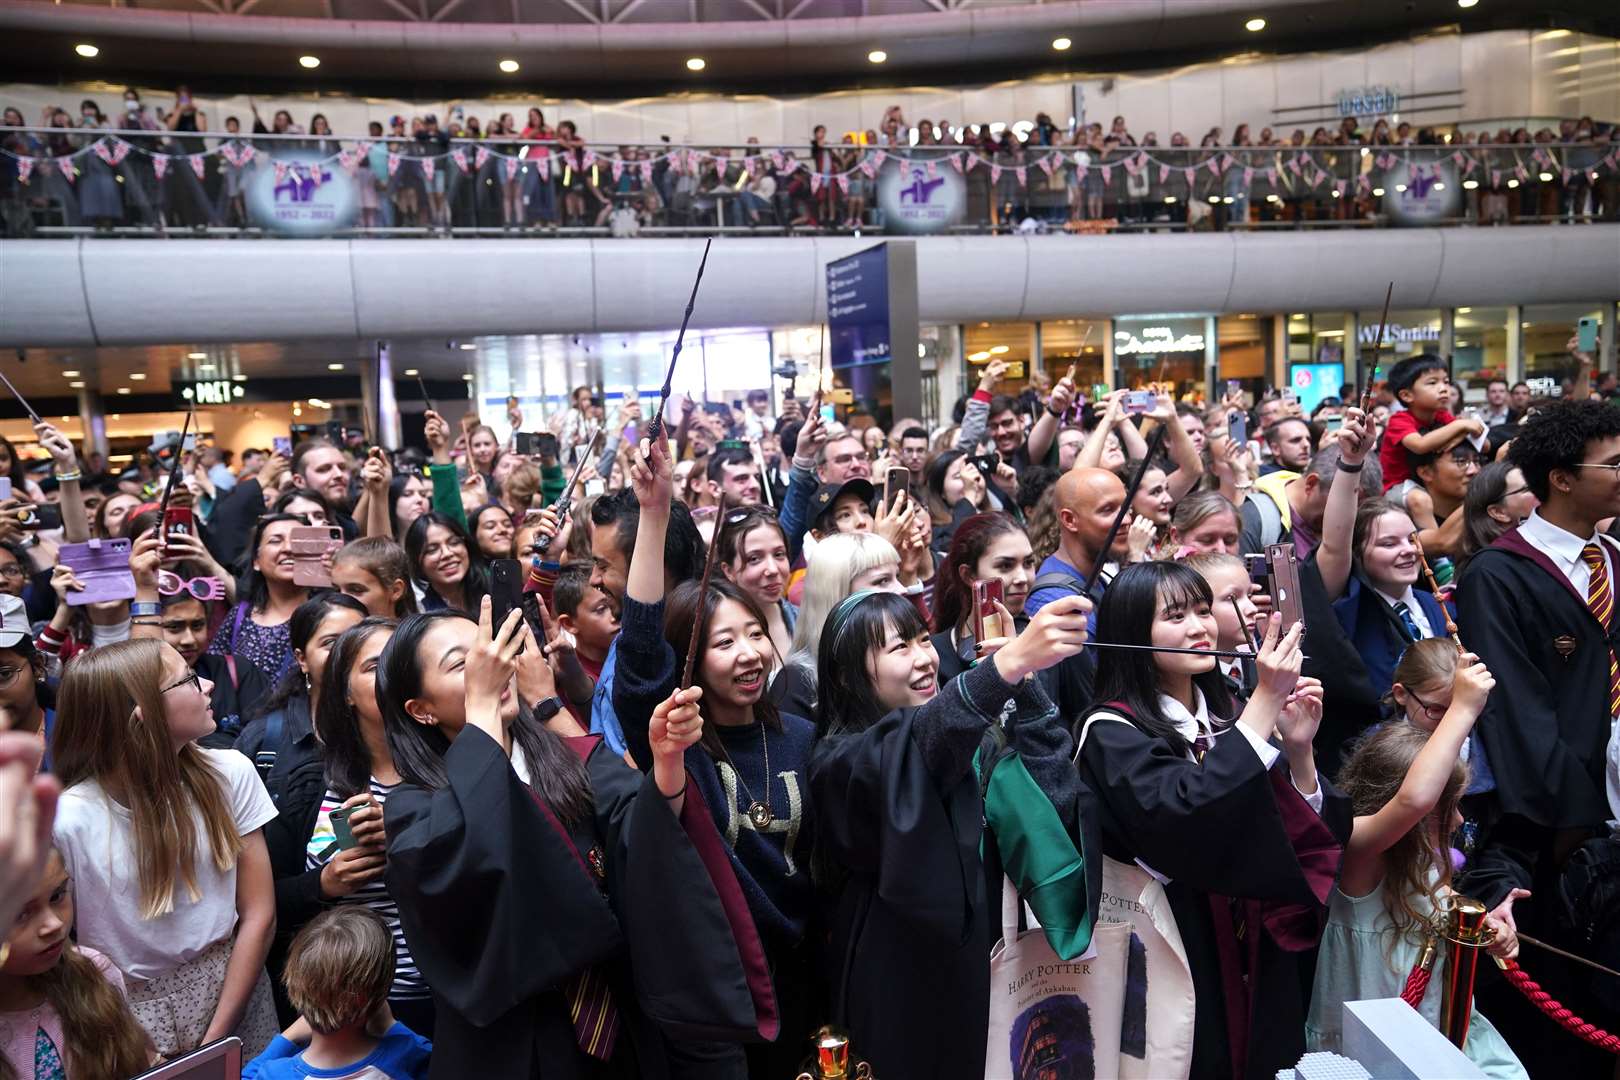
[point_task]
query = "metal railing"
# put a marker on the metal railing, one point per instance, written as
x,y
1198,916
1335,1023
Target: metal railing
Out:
x,y
60,181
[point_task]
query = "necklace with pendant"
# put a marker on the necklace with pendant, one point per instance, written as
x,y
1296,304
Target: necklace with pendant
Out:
x,y
759,813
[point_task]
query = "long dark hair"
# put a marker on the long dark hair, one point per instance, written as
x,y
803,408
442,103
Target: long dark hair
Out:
x,y
418,749
306,619
953,597
1129,606
679,612
348,761
475,586
252,581
845,700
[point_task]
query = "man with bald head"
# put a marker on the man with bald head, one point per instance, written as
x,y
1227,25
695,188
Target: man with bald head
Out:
x,y
1087,501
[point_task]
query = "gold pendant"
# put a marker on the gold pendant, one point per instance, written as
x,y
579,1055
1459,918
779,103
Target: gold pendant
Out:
x,y
760,814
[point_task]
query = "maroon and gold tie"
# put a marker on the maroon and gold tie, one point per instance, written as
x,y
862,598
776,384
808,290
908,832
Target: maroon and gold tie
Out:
x,y
1600,598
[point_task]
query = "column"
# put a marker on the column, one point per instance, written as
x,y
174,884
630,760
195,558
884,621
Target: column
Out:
x,y
1110,368
1515,344
1212,358
1448,333
94,419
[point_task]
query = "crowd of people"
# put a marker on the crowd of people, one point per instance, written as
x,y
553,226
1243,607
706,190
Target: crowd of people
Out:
x,y
500,172
653,748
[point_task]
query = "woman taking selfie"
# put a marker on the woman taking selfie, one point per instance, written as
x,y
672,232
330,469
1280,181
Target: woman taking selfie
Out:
x,y
987,548
507,853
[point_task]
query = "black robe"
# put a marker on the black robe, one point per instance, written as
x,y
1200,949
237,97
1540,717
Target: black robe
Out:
x,y
500,914
1226,828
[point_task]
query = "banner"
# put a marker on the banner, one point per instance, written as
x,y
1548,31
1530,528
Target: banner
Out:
x,y
303,195
460,158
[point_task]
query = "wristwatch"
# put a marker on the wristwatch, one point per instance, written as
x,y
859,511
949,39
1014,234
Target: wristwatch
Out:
x,y
546,708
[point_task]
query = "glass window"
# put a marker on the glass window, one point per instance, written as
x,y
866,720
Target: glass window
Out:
x,y
1245,351
1409,333
1078,342
1547,329
1479,349
1012,342
1160,348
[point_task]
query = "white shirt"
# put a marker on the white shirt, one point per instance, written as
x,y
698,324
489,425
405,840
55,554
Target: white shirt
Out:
x,y
1409,598
1191,725
1564,549
96,838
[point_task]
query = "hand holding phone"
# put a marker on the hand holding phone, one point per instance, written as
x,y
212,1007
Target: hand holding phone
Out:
x,y
1137,402
505,588
311,545
988,623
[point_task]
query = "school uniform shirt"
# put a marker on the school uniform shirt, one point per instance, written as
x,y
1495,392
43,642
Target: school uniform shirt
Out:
x,y
402,1054
96,837
1374,626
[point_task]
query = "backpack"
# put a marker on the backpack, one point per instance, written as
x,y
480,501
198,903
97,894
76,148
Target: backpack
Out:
x,y
1266,500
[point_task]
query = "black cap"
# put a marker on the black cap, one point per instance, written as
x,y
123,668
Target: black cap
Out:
x,y
827,495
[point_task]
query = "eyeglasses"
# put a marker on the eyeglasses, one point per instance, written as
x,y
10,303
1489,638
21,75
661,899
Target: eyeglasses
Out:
x,y
1612,467
1515,491
202,588
189,677
1433,712
13,570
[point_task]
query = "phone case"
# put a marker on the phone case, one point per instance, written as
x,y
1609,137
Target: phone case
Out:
x,y
1284,567
309,545
505,590
341,830
987,620
102,567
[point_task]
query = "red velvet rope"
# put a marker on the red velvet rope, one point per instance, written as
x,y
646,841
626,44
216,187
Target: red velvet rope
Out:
x,y
1416,984
1554,1010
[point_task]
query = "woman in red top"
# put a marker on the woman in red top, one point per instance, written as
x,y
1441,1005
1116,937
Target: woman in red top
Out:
x,y
537,181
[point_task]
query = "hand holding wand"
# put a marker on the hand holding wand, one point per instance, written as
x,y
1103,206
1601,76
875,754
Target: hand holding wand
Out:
x,y
1434,587
655,430
1378,349
703,588
565,501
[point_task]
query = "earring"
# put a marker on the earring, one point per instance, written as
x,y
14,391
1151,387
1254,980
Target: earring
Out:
x,y
307,687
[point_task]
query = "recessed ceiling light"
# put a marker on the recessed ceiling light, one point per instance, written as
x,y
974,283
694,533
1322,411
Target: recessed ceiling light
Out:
x,y
696,63
997,350
1400,187
466,378
138,376
1254,26
89,52
410,371
978,357
309,61
239,378
1545,178
205,367
877,56
469,346
123,390
70,374
1378,193
196,356
76,385
334,367
1464,310
1470,185
508,66
1466,3
1061,44
1513,183
116,416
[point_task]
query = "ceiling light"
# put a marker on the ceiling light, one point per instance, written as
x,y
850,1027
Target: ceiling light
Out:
x,y
1170,199
89,52
1466,3
466,378
1254,26
1439,187
1464,310
334,367
1513,183
1061,44
877,56
469,346
123,390
978,357
239,378
1227,200
1545,178
138,376
1401,188
696,63
309,61
205,367
508,66
76,385
1378,193
1470,185
1335,194
70,374
196,356
410,371
997,350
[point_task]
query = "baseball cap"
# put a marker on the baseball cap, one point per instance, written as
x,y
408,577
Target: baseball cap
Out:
x,y
14,627
827,495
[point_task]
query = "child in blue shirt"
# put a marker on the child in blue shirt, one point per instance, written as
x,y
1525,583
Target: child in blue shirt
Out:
x,y
338,973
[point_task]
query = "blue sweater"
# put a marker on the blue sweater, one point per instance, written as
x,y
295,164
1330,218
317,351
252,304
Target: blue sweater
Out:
x,y
401,1055
773,866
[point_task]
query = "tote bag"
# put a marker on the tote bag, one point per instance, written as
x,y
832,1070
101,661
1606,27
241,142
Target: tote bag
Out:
x,y
1054,1017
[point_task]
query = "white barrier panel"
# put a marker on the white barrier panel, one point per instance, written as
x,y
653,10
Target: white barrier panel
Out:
x,y
1393,1042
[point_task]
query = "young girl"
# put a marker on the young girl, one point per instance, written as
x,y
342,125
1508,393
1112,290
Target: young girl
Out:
x,y
1405,784
1195,799
508,852
753,556
360,775
444,562
164,841
1234,612
62,1007
375,571
985,547
1422,693
899,821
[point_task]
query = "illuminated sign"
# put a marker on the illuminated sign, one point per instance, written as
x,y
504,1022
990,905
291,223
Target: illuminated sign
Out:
x,y
1368,101
1398,333
213,392
1153,340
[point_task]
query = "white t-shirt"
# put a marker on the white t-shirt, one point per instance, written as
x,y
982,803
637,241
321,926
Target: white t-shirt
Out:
x,y
96,838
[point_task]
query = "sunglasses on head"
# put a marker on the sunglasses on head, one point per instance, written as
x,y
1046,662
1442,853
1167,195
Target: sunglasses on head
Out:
x,y
202,588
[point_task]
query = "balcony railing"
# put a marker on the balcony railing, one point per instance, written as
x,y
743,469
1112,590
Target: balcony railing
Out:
x,y
132,182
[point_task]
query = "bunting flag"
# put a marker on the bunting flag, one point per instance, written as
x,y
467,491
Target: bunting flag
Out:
x,y
843,182
199,164
1164,173
543,167
617,170
228,152
1519,171
1130,166
1271,176
693,160
870,170
956,162
1457,157
25,169
1108,173
1190,173
70,168
1338,188
1020,173
481,155
1214,167
393,166
1472,164
1230,161
646,172
1363,183
815,182
511,166
459,156
281,172
160,165
103,149
881,156
590,157
1046,165
428,168
346,161
246,154
1496,178
1248,175
995,172
933,169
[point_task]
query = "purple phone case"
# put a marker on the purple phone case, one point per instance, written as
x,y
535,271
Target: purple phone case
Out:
x,y
102,567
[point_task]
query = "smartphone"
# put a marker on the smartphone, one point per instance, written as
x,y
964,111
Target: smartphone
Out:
x,y
986,463
986,617
333,429
1284,567
1259,573
1288,395
898,478
1138,401
5,488
1586,333
1234,388
545,444
527,443
1238,427
282,445
178,521
38,516
1098,392
309,545
1015,370
505,590
102,567
828,414
341,830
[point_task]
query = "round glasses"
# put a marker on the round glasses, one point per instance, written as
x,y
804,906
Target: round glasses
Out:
x,y
202,588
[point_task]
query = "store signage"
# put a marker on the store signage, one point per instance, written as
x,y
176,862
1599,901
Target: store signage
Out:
x,y
1397,333
213,392
858,308
303,194
1368,101
1153,340
921,195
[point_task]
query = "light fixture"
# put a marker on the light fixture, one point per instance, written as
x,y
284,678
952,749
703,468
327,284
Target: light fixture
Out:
x,y
309,61
1214,200
334,367
1464,310
1439,186
1378,193
696,63
1470,185
1466,3
1401,188
877,56
76,385
469,346
70,374
196,356
123,390
205,367
1544,177
1273,199
1512,184
508,66
1335,193
239,378
1255,25
1061,44
997,350
1227,201
1170,199
410,371
978,357
467,378
116,416
138,376
89,52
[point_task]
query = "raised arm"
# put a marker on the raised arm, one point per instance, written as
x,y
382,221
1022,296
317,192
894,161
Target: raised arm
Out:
x,y
375,475
1419,444
1334,558
1091,454
976,418
1046,428
1179,445
75,525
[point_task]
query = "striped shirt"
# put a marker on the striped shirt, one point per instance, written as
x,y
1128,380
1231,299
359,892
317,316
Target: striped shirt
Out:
x,y
408,981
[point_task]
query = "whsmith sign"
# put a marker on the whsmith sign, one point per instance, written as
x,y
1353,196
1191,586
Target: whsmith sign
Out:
x,y
1368,101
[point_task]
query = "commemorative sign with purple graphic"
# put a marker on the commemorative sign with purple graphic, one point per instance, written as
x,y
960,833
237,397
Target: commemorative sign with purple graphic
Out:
x,y
302,195
922,195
